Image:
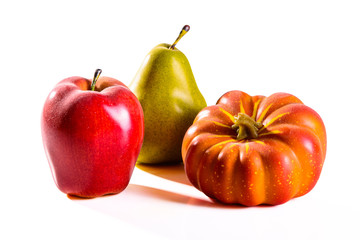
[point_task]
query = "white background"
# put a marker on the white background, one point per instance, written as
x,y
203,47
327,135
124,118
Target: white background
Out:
x,y
308,48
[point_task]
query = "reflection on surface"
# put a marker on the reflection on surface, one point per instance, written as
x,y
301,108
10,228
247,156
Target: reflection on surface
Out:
x,y
135,191
74,197
175,173
170,196
178,198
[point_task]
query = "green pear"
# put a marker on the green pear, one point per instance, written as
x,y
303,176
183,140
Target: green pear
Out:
x,y
170,98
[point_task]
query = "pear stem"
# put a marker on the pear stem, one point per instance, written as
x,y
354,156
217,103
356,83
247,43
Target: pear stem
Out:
x,y
184,30
96,77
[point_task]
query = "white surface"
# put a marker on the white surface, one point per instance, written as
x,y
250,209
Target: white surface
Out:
x,y
309,48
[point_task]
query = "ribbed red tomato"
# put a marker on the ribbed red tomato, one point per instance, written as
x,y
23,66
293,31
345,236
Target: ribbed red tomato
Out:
x,y
255,150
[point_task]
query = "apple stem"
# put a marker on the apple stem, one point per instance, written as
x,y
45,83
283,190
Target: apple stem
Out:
x,y
184,30
96,77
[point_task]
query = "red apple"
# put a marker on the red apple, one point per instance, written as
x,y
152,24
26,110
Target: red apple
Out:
x,y
92,134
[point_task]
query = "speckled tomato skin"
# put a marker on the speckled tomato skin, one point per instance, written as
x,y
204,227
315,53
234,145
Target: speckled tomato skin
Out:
x,y
283,162
92,138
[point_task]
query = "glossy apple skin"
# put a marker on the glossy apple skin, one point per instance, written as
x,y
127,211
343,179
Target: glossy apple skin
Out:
x,y
92,138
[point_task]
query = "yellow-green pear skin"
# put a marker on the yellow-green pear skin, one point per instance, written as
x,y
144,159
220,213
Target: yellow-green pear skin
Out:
x,y
170,98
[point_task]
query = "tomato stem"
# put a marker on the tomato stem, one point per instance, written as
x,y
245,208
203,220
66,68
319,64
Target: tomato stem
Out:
x,y
246,127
